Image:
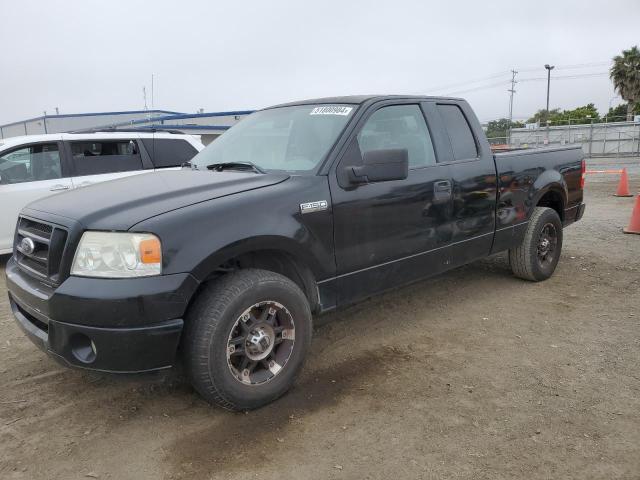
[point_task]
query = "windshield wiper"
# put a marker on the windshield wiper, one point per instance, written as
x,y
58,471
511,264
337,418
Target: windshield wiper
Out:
x,y
219,167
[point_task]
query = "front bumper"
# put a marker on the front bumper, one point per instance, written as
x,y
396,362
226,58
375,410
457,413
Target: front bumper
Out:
x,y
112,325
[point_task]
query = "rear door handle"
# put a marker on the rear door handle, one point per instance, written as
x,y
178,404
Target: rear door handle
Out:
x,y
59,187
442,186
84,184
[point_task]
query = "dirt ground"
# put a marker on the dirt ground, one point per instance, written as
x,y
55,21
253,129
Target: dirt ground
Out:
x,y
473,374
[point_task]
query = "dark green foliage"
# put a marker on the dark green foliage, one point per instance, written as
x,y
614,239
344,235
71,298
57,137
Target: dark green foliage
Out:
x,y
500,128
625,74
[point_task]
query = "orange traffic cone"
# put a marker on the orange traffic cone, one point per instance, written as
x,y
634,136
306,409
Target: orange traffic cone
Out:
x,y
634,223
623,185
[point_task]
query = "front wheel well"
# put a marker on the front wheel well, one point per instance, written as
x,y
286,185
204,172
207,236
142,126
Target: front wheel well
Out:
x,y
274,261
553,200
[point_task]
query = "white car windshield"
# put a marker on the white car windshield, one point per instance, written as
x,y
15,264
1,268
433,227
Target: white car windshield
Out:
x,y
294,139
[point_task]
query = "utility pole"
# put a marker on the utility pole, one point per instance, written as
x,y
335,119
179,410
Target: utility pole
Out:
x,y
549,68
511,91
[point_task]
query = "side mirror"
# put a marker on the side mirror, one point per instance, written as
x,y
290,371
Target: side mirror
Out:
x,y
381,166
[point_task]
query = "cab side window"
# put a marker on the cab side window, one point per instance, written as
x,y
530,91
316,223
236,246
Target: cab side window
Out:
x,y
462,141
30,164
399,126
93,158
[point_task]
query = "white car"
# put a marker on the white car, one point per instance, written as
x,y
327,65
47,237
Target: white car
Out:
x,y
34,166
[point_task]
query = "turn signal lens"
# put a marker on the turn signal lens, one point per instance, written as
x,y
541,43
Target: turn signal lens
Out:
x,y
150,251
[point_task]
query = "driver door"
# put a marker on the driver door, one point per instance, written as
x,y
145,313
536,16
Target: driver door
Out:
x,y
392,232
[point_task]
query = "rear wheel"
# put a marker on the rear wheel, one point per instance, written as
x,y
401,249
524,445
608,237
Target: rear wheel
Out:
x,y
246,337
536,257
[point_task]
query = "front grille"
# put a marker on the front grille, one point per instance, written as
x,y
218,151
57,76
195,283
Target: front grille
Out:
x,y
36,227
43,260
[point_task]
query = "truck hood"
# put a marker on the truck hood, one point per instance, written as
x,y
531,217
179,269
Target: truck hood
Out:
x,y
120,204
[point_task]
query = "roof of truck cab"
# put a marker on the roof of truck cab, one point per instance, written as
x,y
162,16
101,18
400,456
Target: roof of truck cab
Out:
x,y
360,99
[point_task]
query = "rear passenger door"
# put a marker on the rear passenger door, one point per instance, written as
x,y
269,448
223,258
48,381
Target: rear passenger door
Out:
x,y
98,160
474,183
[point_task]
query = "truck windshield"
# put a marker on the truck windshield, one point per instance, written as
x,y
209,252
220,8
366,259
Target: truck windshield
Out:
x,y
292,139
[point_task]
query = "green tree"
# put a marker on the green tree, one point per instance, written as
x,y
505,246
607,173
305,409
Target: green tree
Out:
x,y
541,116
625,75
500,128
584,114
619,113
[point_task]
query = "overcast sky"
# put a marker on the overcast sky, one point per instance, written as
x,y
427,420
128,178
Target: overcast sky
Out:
x,y
90,56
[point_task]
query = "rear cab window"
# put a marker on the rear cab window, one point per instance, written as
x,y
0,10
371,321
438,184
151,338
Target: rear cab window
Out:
x,y
105,156
169,152
461,137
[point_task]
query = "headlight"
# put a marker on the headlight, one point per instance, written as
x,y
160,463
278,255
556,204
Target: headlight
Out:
x,y
117,255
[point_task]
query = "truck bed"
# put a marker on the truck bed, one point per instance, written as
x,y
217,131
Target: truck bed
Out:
x,y
550,176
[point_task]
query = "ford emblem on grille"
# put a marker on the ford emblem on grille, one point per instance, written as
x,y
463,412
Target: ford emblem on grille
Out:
x,y
27,246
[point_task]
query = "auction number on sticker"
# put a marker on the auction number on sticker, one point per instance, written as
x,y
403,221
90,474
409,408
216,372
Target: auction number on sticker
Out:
x,y
331,110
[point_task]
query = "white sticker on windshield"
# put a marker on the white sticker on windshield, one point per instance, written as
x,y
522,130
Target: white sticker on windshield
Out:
x,y
331,110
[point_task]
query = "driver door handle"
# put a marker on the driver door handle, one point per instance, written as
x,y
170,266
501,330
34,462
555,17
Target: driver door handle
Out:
x,y
441,192
59,187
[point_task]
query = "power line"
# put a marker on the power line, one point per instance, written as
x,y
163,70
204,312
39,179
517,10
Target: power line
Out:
x,y
583,65
567,67
483,87
468,82
565,77
507,72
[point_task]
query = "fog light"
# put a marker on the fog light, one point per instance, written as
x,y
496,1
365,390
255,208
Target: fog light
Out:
x,y
83,348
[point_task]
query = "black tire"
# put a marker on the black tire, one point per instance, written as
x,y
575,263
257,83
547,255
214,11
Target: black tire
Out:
x,y
218,312
530,260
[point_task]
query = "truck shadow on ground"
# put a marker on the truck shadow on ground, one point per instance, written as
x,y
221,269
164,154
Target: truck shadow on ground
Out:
x,y
335,371
362,375
257,434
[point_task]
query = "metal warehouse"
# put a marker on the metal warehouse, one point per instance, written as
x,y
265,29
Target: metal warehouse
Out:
x,y
208,125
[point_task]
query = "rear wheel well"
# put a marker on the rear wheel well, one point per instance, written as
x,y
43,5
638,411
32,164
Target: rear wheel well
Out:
x,y
274,261
553,199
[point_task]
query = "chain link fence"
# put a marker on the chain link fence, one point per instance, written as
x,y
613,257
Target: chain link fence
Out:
x,y
617,139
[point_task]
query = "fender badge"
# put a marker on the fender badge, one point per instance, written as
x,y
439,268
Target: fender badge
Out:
x,y
310,207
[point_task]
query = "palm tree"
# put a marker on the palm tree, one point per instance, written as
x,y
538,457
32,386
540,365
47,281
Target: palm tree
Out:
x,y
625,74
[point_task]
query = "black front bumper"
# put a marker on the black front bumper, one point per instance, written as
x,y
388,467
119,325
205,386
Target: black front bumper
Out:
x,y
112,325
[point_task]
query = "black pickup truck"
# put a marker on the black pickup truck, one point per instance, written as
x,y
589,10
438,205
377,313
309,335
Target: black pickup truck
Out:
x,y
297,210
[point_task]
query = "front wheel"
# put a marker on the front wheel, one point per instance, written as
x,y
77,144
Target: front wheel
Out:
x,y
246,337
536,257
